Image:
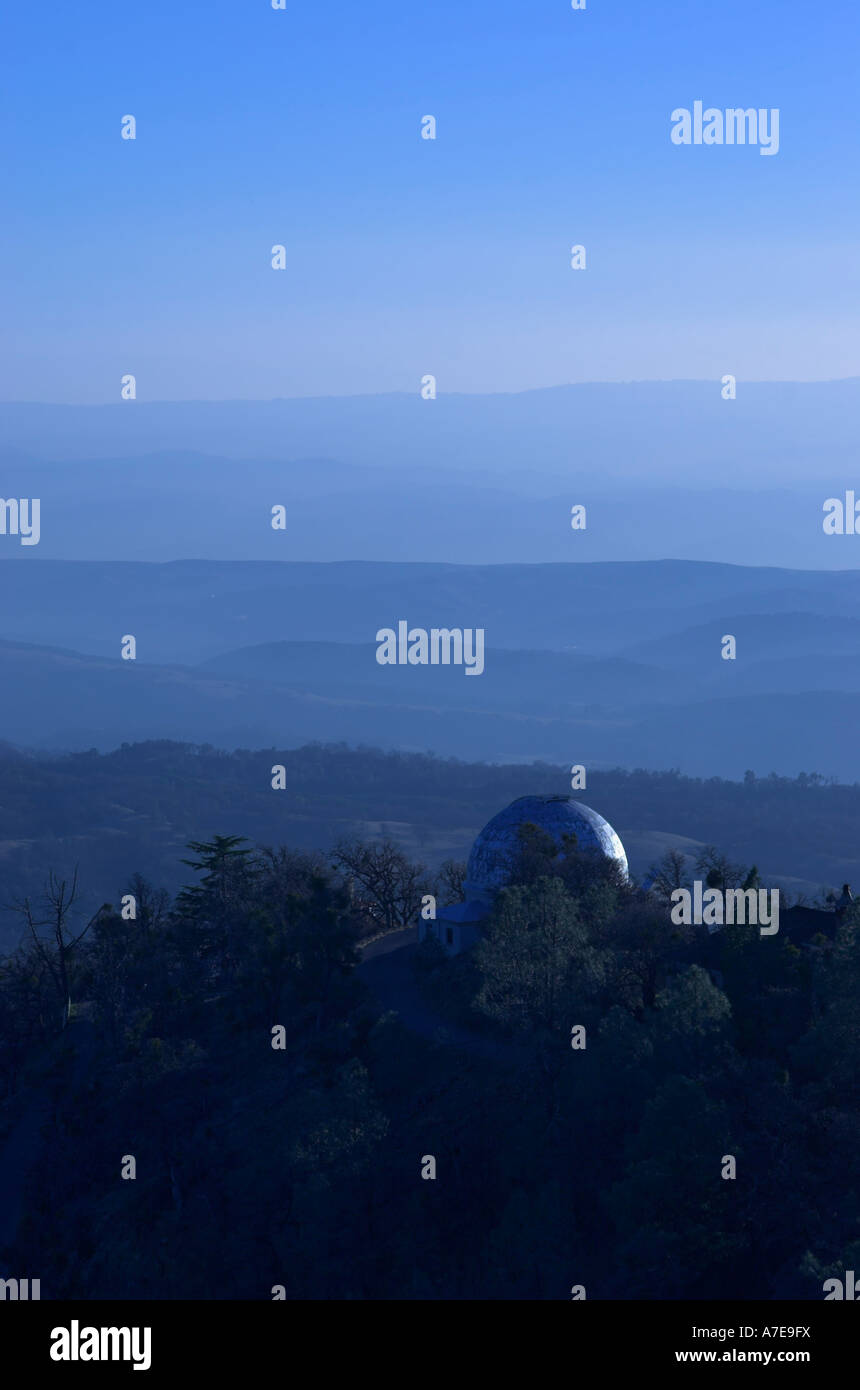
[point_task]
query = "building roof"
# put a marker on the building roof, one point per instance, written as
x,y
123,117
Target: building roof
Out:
x,y
495,848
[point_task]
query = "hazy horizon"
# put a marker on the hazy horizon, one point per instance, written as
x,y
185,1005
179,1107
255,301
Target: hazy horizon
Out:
x,y
374,393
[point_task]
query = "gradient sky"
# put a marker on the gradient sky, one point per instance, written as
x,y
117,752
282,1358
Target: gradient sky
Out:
x,y
257,126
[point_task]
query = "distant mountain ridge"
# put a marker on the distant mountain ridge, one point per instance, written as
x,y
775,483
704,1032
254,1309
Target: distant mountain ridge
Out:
x,y
603,664
663,468
772,432
190,611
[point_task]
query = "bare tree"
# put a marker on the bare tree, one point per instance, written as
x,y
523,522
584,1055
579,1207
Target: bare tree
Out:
x,y
722,873
452,881
53,941
391,886
669,874
152,904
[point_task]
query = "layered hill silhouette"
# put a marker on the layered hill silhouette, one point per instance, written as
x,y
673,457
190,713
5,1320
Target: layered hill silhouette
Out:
x,y
134,810
664,468
193,610
604,664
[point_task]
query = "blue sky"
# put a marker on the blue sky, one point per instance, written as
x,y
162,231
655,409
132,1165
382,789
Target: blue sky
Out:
x,y
405,256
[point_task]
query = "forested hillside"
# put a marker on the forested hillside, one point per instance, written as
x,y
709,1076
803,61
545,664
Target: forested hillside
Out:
x,y
132,811
212,1101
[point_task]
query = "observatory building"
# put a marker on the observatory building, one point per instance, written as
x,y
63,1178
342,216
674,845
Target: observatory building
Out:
x,y
494,852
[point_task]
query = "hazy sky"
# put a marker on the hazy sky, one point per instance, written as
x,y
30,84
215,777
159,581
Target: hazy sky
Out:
x,y
258,126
